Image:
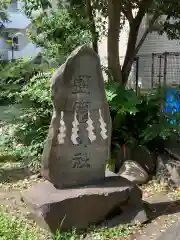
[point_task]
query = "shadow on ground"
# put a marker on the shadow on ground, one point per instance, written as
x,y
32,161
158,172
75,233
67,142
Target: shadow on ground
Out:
x,y
153,210
164,208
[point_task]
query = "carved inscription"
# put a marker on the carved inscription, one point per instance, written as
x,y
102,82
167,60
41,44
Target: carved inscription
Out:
x,y
80,84
81,160
82,108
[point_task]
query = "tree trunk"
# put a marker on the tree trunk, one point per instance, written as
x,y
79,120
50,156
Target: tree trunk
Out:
x,y
94,33
114,13
130,53
133,48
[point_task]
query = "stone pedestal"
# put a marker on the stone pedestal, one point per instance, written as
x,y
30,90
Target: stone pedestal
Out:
x,y
79,208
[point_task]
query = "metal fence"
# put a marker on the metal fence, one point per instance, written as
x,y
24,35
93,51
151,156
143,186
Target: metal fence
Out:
x,y
151,70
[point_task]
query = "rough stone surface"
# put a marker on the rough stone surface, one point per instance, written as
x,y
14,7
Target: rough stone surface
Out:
x,y
80,207
142,156
173,144
78,143
133,172
172,147
168,170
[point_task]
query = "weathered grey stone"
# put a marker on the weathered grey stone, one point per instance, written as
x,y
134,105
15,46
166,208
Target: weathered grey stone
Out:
x,y
172,147
146,159
78,143
133,172
80,207
168,170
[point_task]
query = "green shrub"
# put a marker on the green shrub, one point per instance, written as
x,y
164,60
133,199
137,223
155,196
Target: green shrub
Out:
x,y
136,119
29,127
139,119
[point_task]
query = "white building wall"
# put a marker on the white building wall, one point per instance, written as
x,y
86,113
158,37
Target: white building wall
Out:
x,y
1,47
18,23
29,51
155,43
13,6
17,20
23,40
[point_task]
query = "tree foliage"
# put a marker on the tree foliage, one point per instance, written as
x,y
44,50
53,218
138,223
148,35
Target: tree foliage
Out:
x,y
59,31
75,19
3,14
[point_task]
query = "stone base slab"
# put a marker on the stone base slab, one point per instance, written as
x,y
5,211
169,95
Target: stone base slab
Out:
x,y
79,208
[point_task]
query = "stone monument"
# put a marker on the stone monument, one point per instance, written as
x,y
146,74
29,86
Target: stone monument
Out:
x,y
77,191
78,143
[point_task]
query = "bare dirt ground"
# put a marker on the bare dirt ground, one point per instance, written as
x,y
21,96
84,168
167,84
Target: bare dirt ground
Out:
x,y
164,203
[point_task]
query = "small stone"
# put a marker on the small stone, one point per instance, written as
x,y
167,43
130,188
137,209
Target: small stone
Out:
x,y
133,172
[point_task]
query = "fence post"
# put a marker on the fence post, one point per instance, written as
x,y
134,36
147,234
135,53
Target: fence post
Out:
x,y
165,68
137,74
160,64
152,71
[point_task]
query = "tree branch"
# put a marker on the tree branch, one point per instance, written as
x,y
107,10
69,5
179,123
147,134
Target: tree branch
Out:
x,y
154,18
127,11
133,33
114,13
94,33
143,5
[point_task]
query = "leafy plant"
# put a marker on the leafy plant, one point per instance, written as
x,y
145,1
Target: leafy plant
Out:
x,y
59,32
139,119
27,89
